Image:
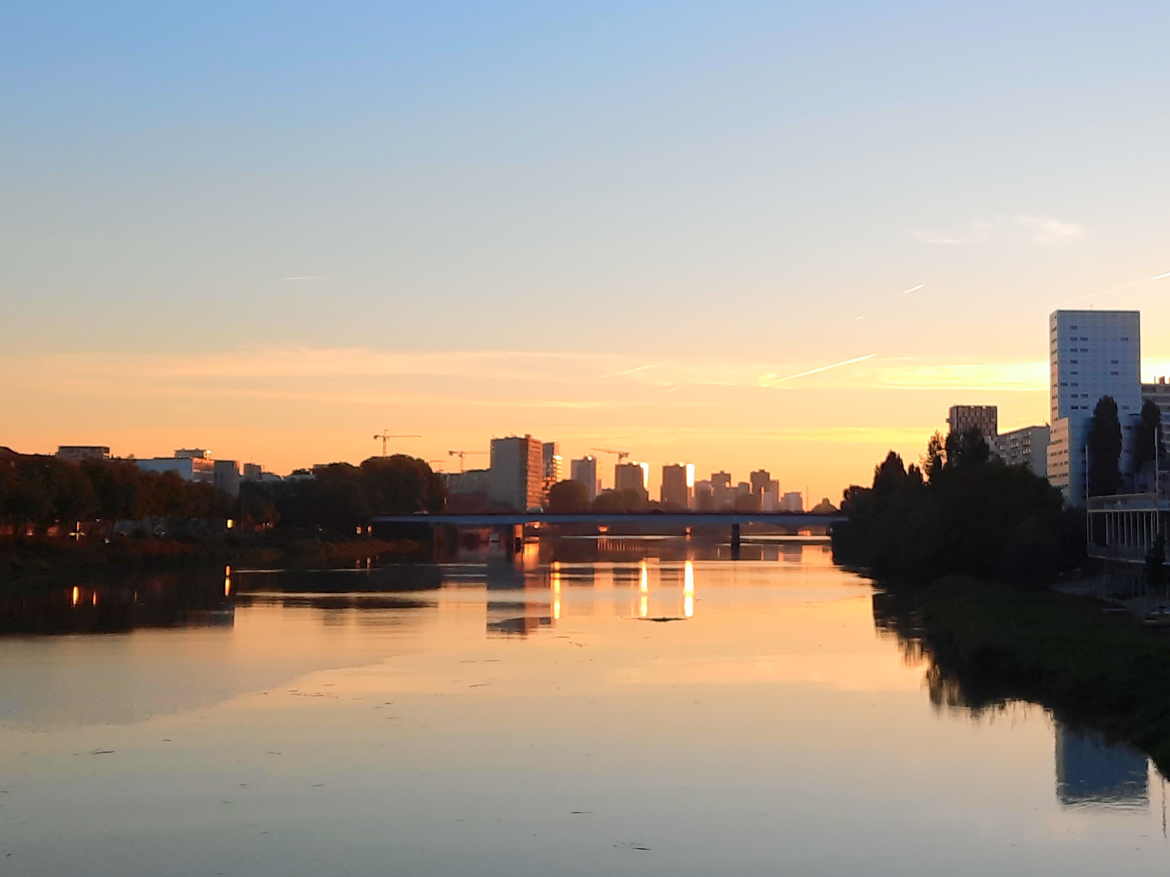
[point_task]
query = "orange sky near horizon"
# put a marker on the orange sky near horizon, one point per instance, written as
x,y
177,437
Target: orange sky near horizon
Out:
x,y
815,428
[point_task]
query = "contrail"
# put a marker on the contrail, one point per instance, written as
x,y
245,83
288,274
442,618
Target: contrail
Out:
x,y
825,368
1160,276
913,289
635,370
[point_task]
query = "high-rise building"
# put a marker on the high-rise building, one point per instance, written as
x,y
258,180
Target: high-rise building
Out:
x,y
985,418
678,483
1027,446
704,496
759,481
632,476
792,502
516,477
1091,354
584,472
253,472
722,493
551,463
770,498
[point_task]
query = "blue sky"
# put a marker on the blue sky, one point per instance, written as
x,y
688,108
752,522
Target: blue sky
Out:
x,y
743,182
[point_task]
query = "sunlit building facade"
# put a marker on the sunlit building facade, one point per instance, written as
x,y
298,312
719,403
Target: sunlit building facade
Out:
x,y
632,476
516,476
551,464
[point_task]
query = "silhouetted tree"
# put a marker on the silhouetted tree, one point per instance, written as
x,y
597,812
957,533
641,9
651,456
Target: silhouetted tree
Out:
x,y
975,516
1147,439
966,449
935,457
619,501
1104,449
566,497
889,475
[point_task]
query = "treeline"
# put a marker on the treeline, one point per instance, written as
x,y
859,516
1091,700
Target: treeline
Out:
x,y
41,492
961,511
340,497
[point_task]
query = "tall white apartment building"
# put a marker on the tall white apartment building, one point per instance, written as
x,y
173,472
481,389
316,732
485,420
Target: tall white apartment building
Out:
x,y
1091,354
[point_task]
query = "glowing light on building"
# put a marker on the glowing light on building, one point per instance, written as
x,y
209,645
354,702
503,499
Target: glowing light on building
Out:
x,y
76,597
556,591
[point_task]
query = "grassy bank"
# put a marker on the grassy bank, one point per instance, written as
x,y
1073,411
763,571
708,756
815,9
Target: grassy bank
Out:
x,y
990,643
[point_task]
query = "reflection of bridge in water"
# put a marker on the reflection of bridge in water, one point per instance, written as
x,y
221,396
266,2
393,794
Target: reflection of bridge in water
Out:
x,y
511,525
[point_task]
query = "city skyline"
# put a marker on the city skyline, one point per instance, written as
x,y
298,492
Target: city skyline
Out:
x,y
643,228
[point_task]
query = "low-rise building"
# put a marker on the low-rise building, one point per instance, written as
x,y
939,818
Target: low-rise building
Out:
x,y
1027,446
77,453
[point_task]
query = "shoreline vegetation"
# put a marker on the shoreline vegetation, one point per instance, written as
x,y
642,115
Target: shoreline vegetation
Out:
x,y
27,563
965,552
991,643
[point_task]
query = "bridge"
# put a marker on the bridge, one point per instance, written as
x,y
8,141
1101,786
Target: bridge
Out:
x,y
514,522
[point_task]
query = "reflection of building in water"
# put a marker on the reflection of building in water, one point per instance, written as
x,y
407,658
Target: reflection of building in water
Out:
x,y
519,601
1090,771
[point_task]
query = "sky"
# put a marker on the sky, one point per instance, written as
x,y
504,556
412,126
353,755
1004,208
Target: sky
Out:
x,y
273,230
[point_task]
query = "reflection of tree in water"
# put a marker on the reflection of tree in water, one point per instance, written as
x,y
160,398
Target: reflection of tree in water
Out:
x,y
120,604
1090,767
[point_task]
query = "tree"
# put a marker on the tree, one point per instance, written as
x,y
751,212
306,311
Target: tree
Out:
x,y
967,449
935,458
1104,449
1147,439
566,497
619,501
889,474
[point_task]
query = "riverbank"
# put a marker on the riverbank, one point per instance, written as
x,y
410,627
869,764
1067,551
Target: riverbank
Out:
x,y
27,563
1091,665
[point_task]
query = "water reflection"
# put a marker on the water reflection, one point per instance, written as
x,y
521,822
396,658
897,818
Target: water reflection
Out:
x,y
1090,771
140,601
376,721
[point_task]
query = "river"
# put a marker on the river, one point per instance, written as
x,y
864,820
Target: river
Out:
x,y
622,706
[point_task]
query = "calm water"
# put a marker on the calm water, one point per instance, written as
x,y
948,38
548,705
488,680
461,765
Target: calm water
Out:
x,y
631,708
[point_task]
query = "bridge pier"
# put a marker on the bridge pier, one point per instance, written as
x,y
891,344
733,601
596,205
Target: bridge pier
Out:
x,y
735,541
512,538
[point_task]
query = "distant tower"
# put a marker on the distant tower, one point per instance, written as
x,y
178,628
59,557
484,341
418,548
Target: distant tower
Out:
x,y
584,471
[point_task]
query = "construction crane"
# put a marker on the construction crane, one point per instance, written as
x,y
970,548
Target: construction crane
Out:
x,y
461,455
385,437
621,455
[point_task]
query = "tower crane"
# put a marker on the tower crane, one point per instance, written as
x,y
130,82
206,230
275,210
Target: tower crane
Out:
x,y
385,437
461,455
621,455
